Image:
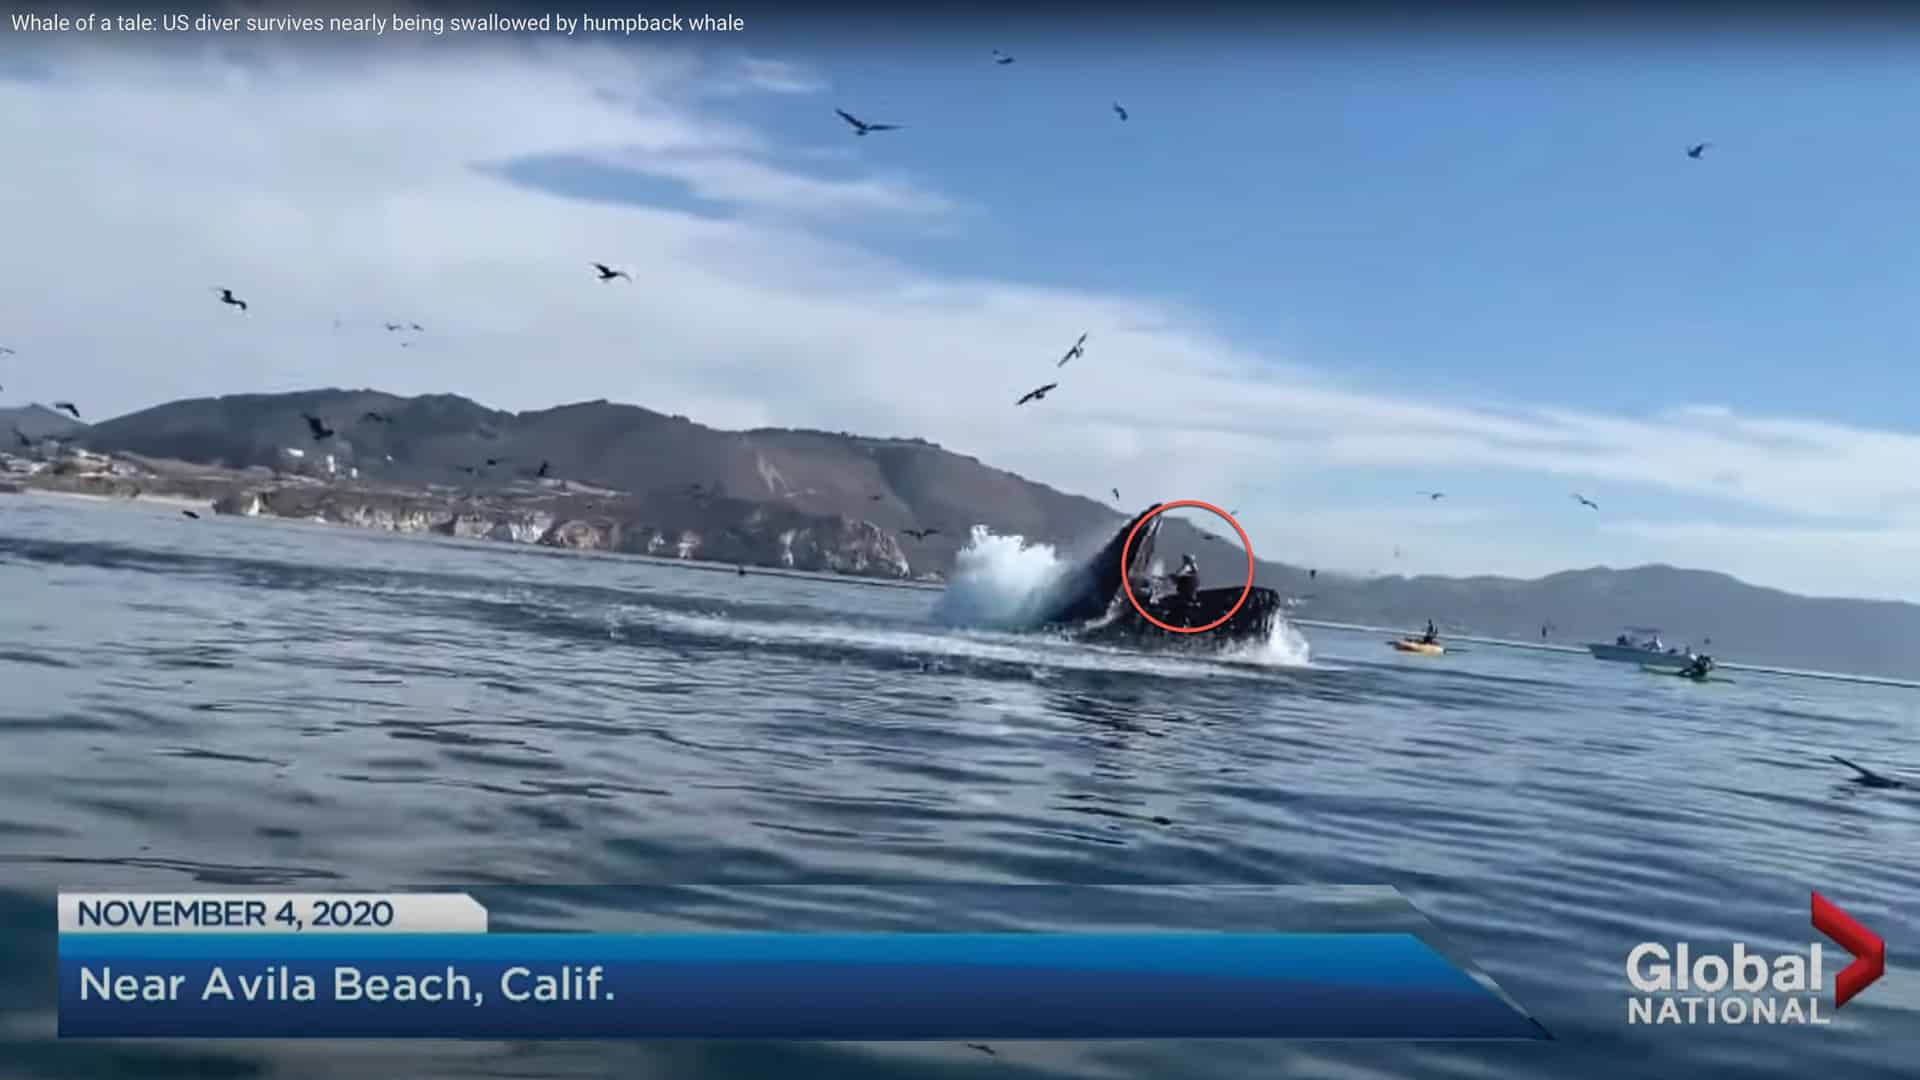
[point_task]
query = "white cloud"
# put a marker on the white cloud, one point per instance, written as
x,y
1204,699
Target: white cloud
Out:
x,y
329,184
781,76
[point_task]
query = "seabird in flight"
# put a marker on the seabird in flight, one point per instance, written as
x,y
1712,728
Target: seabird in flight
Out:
x,y
1001,58
1036,395
983,1048
861,127
4,351
608,273
1432,496
378,418
191,514
1079,349
227,297
1697,149
68,406
1116,494
919,534
1118,111
317,426
1586,502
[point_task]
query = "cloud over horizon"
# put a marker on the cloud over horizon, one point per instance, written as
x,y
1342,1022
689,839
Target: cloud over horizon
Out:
x,y
397,182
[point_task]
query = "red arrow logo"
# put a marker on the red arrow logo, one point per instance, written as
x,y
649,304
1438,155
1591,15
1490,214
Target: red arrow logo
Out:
x,y
1868,951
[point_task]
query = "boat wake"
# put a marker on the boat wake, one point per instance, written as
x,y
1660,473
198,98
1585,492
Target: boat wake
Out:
x,y
1006,584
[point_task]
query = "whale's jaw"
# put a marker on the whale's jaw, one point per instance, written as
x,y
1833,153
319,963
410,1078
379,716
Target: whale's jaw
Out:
x,y
1095,607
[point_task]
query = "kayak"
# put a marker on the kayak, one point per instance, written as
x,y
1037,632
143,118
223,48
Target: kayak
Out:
x,y
1421,647
1682,675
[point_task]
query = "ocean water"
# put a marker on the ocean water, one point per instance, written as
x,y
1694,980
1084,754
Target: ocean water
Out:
x,y
223,703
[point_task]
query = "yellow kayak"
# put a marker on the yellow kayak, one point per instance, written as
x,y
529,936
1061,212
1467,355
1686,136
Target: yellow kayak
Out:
x,y
1421,647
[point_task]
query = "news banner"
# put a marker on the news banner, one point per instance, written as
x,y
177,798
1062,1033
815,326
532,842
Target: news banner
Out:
x,y
426,965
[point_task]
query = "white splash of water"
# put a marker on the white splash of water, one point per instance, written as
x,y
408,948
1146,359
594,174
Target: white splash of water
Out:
x,y
1004,583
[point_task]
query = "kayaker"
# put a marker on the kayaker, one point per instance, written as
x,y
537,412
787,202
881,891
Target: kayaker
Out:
x,y
1186,580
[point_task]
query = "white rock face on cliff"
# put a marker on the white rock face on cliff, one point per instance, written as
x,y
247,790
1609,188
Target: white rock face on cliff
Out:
x,y
521,527
845,547
240,504
579,535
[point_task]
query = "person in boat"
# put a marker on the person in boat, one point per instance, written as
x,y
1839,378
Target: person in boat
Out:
x,y
1432,636
1186,580
1698,668
1623,641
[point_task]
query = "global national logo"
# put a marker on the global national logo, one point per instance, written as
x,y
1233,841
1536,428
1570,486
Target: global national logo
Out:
x,y
1682,984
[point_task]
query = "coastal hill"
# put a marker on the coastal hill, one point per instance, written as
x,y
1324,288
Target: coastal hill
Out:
x,y
37,422
677,477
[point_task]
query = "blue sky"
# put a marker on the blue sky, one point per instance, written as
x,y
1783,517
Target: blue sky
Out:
x,y
1511,218
1323,270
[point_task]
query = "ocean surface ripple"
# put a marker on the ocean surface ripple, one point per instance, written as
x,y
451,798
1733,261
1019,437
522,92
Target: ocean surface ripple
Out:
x,y
225,703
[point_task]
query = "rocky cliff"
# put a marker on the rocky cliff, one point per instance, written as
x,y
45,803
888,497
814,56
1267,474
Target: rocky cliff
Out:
x,y
749,534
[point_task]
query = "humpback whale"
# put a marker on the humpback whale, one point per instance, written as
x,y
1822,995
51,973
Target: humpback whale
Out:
x,y
1092,604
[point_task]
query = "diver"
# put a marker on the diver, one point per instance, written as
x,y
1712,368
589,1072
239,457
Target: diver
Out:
x,y
1186,580
1432,636
1698,668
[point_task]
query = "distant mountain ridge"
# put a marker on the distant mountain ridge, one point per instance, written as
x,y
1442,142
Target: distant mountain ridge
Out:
x,y
682,467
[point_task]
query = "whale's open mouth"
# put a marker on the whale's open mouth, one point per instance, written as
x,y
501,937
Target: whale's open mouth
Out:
x,y
1095,607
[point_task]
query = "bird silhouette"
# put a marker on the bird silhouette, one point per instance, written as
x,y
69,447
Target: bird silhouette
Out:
x,y
1432,495
1867,777
376,417
191,514
608,273
1079,349
1001,58
4,351
1116,494
227,297
983,1048
861,127
1036,395
1586,502
919,534
317,426
1697,149
1120,112
68,406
